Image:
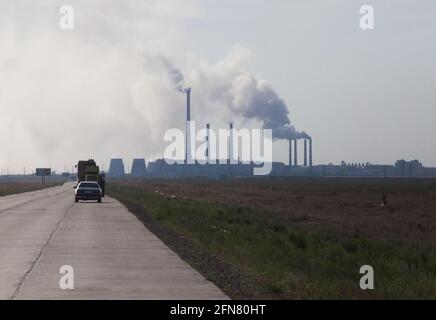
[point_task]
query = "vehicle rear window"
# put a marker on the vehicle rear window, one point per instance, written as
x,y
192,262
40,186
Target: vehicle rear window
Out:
x,y
88,185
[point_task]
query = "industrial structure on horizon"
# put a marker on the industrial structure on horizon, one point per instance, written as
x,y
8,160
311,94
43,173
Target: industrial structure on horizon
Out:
x,y
227,169
235,168
160,169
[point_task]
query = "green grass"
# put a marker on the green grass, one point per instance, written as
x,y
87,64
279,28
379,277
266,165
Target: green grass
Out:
x,y
289,262
8,188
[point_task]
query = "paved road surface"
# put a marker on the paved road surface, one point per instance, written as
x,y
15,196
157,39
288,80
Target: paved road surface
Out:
x,y
113,255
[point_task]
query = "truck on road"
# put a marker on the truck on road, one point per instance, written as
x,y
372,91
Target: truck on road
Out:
x,y
88,170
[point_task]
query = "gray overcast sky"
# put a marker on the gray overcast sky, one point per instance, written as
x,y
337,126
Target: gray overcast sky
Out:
x,y
362,95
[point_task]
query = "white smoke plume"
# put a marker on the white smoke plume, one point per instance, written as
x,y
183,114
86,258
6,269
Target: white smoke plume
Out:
x,y
104,89
70,95
175,74
254,98
231,86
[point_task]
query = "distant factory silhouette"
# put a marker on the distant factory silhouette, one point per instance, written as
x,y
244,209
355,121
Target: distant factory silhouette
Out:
x,y
161,168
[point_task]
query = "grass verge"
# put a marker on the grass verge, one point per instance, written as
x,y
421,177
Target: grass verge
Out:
x,y
8,188
249,255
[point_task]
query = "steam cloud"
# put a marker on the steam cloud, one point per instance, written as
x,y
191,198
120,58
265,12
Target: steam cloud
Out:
x,y
104,89
255,99
175,74
243,93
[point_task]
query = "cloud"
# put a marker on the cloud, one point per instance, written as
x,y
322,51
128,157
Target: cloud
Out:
x,y
102,89
89,92
229,84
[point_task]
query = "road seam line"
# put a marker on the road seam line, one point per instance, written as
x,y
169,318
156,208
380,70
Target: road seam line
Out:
x,y
38,258
27,202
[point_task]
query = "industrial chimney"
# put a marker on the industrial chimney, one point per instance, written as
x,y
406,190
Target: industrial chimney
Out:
x,y
310,152
188,104
305,152
188,131
207,142
231,143
295,153
290,152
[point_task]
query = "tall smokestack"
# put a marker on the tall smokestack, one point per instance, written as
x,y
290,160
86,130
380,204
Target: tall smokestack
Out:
x,y
310,152
305,152
188,104
188,132
295,153
290,152
231,143
207,142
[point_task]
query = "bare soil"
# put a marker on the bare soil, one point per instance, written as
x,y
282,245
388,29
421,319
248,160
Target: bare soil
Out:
x,y
387,209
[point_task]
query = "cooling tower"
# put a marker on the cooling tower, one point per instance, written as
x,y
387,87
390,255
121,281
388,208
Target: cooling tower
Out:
x,y
139,169
116,168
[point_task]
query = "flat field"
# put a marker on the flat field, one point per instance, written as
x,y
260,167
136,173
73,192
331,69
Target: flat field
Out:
x,y
296,238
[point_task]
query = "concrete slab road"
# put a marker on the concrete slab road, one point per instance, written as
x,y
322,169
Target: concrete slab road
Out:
x,y
112,255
